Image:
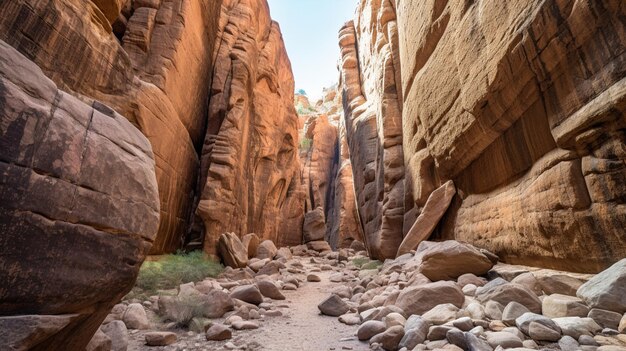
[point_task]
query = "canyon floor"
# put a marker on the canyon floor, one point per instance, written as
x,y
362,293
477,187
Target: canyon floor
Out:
x,y
445,296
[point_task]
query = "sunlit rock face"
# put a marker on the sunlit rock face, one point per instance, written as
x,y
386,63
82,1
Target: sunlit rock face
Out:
x,y
250,171
520,103
156,73
370,79
327,170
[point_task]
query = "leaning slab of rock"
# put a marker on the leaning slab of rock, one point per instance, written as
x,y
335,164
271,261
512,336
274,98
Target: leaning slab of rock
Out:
x,y
269,289
436,206
607,289
232,250
420,299
450,259
247,293
266,249
333,306
314,227
160,338
251,243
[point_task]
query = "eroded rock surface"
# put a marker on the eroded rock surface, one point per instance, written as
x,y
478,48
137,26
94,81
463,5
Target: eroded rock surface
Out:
x,y
521,105
75,230
250,180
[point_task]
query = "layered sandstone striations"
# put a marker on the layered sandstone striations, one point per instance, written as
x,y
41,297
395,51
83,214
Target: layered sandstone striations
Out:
x,y
371,87
327,171
79,209
156,74
520,104
250,178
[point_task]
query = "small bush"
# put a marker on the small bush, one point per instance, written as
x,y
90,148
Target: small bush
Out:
x,y
305,143
366,263
172,270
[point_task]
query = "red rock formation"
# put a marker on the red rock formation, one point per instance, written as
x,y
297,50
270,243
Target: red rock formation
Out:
x,y
520,104
151,79
372,113
250,170
79,209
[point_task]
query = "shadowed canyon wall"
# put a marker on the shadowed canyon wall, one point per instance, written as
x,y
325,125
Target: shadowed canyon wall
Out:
x,y
520,103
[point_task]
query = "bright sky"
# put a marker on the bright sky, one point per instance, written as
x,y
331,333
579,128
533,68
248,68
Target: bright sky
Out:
x,y
310,29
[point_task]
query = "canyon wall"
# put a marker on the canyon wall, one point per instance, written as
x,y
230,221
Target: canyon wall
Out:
x,y
250,171
117,119
520,103
373,122
156,74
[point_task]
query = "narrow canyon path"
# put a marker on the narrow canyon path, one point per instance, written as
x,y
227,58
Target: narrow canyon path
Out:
x,y
303,328
300,328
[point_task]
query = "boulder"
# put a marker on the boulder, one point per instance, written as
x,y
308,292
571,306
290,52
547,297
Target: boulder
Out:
x,y
284,253
606,319
269,289
232,251
559,284
79,204
436,206
251,243
512,311
135,317
523,322
118,333
266,249
245,325
369,329
420,299
450,259
503,339
607,289
314,228
160,338
99,342
541,332
441,314
507,292
576,326
247,293
218,332
558,305
333,306
390,338
319,246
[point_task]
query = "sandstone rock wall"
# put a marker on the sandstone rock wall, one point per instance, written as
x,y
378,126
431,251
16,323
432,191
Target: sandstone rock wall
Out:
x,y
373,120
79,209
250,181
520,103
158,76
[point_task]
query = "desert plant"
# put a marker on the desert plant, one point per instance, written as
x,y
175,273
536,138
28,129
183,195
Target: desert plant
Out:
x,y
172,270
366,263
305,143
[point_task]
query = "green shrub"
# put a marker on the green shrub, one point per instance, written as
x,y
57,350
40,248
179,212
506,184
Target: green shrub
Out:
x,y
305,143
172,270
366,263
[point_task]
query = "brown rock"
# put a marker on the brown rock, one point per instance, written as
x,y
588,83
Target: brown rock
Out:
x,y
450,259
67,207
420,299
435,207
233,252
251,243
333,306
314,225
269,289
247,293
505,293
319,246
160,338
218,332
250,170
266,249
99,342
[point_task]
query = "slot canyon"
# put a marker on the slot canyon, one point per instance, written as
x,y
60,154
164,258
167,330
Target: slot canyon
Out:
x,y
165,185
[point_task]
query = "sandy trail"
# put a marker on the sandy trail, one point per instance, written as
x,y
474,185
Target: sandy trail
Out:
x,y
303,328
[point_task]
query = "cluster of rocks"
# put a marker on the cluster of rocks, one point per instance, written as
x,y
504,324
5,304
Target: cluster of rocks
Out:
x,y
453,296
239,299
